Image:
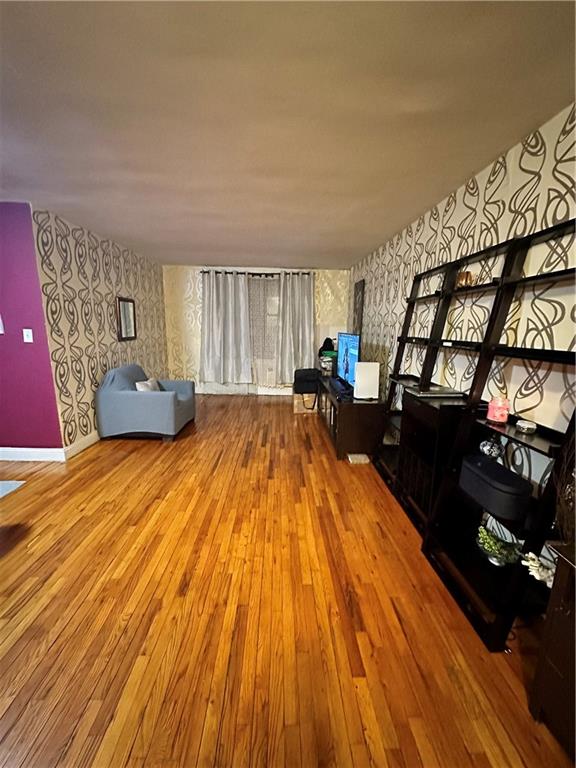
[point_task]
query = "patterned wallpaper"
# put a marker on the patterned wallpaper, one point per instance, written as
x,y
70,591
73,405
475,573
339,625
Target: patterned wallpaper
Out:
x,y
81,276
331,302
529,188
183,298
183,293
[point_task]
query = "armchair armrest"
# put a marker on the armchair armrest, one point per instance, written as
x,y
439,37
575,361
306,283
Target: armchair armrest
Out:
x,y
181,387
119,412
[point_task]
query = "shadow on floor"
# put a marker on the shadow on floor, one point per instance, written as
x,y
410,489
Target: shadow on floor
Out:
x,y
11,535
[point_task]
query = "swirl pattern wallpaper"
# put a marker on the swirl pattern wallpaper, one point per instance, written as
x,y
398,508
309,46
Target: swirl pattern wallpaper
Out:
x,y
81,275
529,188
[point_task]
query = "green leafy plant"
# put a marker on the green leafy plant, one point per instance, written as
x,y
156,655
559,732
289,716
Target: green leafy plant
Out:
x,y
499,552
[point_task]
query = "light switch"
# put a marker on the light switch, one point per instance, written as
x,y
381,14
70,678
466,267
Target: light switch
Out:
x,y
27,335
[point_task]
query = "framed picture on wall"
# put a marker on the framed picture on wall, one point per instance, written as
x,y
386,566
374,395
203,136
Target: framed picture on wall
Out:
x,y
126,318
358,306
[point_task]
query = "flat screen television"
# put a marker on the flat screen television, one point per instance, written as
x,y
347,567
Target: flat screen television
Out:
x,y
348,356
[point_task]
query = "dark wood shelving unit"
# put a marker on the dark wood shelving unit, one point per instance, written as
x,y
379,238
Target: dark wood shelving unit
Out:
x,y
449,428
414,340
385,459
426,297
544,441
473,346
405,378
560,356
478,287
558,276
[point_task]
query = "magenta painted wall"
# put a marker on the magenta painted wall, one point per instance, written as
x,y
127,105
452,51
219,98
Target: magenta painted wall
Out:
x,y
28,413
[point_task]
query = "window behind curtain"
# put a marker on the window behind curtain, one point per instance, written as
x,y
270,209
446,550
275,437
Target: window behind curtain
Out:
x,y
264,297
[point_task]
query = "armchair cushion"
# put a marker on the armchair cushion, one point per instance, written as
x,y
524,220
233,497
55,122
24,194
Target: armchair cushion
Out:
x,y
150,385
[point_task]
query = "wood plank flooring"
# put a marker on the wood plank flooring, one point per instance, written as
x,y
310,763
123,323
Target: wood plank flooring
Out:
x,y
238,598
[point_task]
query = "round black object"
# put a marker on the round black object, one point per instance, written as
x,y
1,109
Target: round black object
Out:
x,y
495,488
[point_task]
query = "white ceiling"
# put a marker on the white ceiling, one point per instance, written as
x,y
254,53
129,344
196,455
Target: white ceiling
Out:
x,y
268,134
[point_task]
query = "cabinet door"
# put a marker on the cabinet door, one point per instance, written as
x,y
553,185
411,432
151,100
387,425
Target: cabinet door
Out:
x,y
552,696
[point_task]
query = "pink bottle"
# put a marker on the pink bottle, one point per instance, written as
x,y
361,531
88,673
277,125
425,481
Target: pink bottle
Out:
x,y
498,410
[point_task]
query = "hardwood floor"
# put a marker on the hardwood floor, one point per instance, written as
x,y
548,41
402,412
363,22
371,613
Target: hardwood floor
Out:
x,y
238,598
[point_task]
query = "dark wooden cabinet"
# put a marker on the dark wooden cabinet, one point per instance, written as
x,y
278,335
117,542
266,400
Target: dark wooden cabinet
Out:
x,y
426,438
552,694
355,426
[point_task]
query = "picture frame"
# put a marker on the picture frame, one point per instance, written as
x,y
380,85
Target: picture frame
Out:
x,y
358,310
126,318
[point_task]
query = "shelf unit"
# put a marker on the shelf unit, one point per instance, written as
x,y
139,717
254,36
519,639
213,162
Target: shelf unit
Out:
x,y
491,597
544,441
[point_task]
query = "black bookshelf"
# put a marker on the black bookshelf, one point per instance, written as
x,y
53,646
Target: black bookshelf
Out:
x,y
490,596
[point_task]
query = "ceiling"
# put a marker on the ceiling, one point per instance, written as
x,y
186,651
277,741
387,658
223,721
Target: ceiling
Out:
x,y
268,134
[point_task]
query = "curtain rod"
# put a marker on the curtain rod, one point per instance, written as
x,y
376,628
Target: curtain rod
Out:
x,y
251,274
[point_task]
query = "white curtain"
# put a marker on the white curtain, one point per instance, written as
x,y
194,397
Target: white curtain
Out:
x,y
264,301
225,356
295,326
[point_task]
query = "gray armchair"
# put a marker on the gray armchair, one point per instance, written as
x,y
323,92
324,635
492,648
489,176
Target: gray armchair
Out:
x,y
122,410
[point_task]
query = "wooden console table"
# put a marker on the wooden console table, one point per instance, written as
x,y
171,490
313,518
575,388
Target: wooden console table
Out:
x,y
355,426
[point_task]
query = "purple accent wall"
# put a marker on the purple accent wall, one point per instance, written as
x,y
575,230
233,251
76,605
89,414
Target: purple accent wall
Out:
x,y
28,411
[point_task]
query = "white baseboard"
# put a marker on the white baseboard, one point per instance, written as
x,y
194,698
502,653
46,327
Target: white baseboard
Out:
x,y
81,444
242,389
276,391
49,454
32,454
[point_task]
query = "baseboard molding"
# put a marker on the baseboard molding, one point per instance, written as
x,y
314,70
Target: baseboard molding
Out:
x,y
49,454
275,391
32,454
81,444
242,389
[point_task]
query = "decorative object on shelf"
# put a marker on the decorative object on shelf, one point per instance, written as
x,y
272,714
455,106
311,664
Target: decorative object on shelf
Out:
x,y
526,427
465,278
327,346
498,410
498,551
497,489
327,356
539,568
126,319
492,447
